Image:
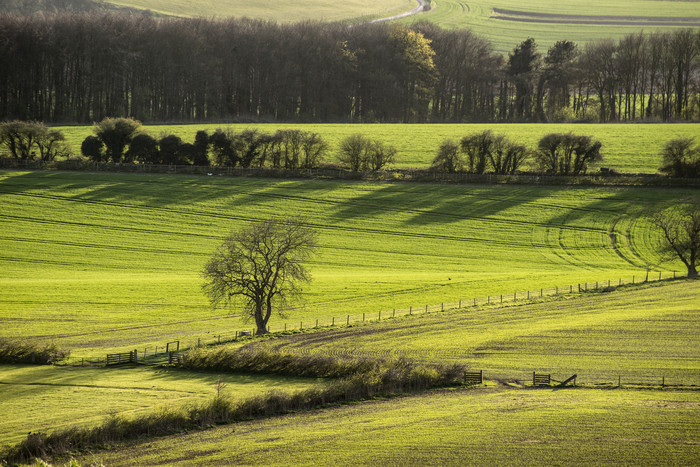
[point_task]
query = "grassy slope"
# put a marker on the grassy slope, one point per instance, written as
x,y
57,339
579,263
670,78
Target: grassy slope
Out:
x,y
627,148
275,10
486,427
112,261
639,335
43,398
505,35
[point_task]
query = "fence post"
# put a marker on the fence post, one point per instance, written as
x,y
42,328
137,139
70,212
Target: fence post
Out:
x,y
619,283
317,324
380,316
488,300
348,323
541,292
475,302
460,303
556,290
663,381
501,298
333,322
426,308
301,325
659,275
393,313
363,317
515,296
633,279
528,295
410,310
442,306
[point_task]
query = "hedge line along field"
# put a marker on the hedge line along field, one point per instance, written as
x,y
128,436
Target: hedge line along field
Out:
x,y
506,23
639,335
96,261
633,148
47,398
497,426
274,10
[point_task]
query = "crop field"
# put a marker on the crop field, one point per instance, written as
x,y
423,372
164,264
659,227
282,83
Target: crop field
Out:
x,y
96,261
633,148
453,427
506,23
45,398
638,335
285,11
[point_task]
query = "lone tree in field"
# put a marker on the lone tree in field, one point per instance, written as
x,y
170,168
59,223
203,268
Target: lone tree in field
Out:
x,y
680,228
261,266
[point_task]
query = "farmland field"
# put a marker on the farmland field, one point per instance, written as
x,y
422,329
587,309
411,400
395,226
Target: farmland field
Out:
x,y
495,426
637,335
112,261
506,23
44,398
626,147
275,10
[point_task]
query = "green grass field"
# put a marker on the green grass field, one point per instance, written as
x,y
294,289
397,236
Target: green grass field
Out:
x,y
639,335
96,261
45,398
626,147
282,11
575,20
453,427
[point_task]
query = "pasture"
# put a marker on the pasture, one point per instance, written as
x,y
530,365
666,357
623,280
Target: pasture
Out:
x,y
275,10
639,335
497,426
46,398
98,262
632,148
506,23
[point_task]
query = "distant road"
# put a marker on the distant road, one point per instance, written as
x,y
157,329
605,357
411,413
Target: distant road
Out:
x,y
418,9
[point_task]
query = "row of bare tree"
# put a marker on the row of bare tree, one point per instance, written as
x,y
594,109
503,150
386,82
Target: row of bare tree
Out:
x,y
74,67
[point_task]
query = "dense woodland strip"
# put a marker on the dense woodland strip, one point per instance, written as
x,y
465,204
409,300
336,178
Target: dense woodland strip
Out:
x,y
82,67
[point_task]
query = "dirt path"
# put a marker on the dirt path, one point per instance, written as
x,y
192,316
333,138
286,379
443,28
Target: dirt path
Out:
x,y
416,10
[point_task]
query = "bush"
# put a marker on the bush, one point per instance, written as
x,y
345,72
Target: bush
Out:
x,y
24,139
681,158
93,148
359,153
30,352
116,134
567,154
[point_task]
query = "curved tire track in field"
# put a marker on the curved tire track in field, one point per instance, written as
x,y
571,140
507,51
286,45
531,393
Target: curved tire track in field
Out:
x,y
421,6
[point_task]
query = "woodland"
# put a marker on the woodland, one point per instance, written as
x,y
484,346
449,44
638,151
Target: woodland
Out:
x,y
82,67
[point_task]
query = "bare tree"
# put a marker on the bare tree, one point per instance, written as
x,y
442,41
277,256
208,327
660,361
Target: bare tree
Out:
x,y
680,228
260,265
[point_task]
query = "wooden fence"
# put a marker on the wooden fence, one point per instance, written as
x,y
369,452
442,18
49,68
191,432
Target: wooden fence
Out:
x,y
124,357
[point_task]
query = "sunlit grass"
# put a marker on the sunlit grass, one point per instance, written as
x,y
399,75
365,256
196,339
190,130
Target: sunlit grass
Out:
x,y
486,427
43,399
113,261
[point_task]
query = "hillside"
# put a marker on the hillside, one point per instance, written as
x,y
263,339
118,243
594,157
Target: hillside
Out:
x,y
103,261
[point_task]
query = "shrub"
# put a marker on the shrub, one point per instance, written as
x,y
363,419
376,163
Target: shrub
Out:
x,y
93,148
681,158
116,134
12,351
359,153
448,158
567,154
23,139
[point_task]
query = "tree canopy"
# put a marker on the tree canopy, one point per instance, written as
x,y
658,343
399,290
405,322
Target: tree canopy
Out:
x,y
261,267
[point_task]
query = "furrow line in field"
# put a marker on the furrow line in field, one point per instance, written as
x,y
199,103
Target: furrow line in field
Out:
x,y
378,207
104,247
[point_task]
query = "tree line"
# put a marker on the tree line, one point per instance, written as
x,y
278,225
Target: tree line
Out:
x,y
83,67
123,140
